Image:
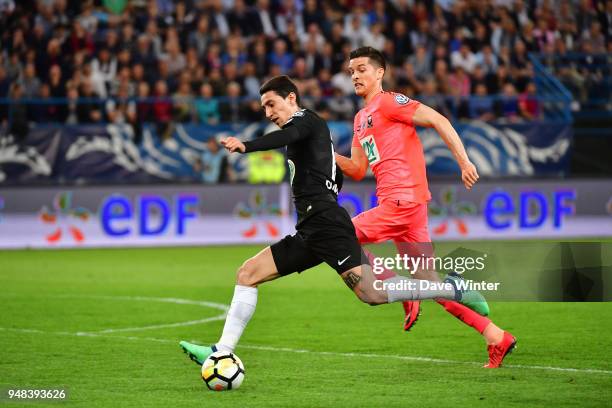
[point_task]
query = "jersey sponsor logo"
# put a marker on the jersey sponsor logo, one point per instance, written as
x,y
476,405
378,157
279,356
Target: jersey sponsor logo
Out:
x,y
369,147
291,170
401,99
340,262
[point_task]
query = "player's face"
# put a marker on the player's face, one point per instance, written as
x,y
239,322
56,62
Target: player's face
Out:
x,y
365,76
277,108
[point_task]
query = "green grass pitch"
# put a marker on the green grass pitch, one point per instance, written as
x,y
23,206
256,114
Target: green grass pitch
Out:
x,y
74,319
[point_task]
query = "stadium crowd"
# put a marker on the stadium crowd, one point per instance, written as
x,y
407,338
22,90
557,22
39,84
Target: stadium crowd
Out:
x,y
168,61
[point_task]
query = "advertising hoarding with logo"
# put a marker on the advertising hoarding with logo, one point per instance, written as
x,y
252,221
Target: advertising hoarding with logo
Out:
x,y
49,217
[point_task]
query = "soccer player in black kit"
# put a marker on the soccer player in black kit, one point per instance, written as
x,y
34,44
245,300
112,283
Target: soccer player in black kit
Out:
x,y
325,232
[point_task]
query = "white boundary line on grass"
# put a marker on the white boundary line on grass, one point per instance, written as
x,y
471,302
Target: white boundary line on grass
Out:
x,y
319,353
224,309
178,301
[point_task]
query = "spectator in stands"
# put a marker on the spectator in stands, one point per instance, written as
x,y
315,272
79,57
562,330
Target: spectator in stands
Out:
x,y
182,103
18,114
213,58
162,110
206,107
487,60
342,80
481,105
265,21
529,105
143,53
432,98
463,58
71,112
89,108
210,41
174,57
355,28
104,66
378,14
509,106
95,80
281,57
144,107
5,86
231,107
259,57
121,110
252,111
128,36
460,81
340,107
212,163
30,82
124,79
153,38
407,77
375,37
43,110
243,19
200,38
250,81
478,77
421,62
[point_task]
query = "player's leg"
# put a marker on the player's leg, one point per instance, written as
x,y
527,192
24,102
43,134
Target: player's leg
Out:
x,y
331,237
371,227
363,282
383,223
254,271
417,242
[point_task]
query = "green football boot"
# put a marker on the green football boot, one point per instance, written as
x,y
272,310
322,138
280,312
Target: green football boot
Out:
x,y
198,354
470,298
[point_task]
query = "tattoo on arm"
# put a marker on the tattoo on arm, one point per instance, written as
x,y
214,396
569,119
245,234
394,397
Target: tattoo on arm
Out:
x,y
351,280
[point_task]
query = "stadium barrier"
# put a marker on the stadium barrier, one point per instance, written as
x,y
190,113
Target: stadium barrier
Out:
x,y
107,153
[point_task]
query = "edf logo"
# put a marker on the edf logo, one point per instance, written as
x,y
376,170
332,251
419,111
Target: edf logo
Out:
x,y
500,210
153,214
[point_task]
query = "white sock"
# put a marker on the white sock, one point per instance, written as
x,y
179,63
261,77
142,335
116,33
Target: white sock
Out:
x,y
410,289
238,316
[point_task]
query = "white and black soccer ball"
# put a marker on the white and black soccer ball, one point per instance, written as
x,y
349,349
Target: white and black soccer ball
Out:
x,y
222,371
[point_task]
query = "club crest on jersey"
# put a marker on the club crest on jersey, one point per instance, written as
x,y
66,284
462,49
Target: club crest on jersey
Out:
x,y
370,122
401,99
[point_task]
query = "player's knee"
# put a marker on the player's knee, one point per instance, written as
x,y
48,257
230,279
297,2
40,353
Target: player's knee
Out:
x,y
245,275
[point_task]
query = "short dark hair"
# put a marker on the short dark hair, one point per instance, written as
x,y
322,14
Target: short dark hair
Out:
x,y
282,85
373,54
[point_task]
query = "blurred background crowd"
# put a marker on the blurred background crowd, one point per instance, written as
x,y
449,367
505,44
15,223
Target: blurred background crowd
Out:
x,y
203,61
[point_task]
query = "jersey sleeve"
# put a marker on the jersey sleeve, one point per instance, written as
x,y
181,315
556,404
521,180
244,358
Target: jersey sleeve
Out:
x,y
399,108
296,129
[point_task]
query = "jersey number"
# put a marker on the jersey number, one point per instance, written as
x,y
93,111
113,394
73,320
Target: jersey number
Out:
x,y
291,171
369,147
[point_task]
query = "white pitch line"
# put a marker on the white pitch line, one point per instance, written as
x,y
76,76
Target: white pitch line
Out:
x,y
178,301
322,353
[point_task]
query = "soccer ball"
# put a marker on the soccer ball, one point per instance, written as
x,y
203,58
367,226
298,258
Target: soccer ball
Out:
x,y
222,371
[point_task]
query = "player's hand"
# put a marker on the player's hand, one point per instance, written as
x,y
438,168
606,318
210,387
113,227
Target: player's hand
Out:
x,y
233,144
469,175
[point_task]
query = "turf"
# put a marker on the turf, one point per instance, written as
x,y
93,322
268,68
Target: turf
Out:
x,y
356,355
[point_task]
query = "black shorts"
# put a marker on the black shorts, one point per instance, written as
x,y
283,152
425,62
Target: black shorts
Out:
x,y
328,236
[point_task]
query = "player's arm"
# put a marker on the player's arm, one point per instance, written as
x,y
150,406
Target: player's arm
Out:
x,y
427,117
272,140
356,166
